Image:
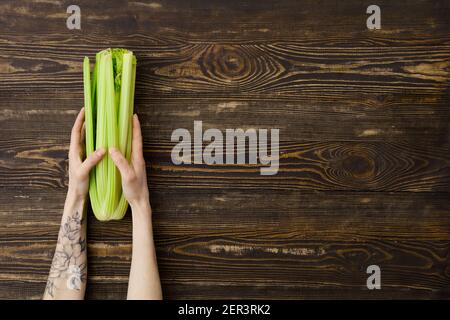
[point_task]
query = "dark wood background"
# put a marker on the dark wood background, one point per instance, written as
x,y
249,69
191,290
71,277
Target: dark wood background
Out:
x,y
364,127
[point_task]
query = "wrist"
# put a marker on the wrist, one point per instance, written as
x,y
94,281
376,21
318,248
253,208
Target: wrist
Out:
x,y
140,204
74,199
141,207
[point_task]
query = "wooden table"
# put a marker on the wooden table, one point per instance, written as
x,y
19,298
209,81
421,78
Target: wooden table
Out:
x,y
364,145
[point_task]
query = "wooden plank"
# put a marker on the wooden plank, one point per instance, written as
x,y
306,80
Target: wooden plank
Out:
x,y
359,166
248,20
28,214
117,289
417,120
306,243
312,265
268,70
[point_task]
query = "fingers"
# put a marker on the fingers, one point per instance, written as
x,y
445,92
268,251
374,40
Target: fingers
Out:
x,y
92,160
136,146
76,133
121,163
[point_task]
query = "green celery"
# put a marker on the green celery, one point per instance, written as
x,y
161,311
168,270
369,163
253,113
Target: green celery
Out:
x,y
109,103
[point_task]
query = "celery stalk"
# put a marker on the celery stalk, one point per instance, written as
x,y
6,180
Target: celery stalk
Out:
x,y
109,103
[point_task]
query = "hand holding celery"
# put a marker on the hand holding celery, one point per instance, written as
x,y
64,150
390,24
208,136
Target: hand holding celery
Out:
x,y
67,276
68,273
109,108
78,169
134,177
109,124
144,280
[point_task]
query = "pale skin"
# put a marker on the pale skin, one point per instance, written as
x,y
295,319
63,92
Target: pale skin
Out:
x,y
67,277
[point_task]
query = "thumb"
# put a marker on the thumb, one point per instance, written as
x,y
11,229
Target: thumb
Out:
x,y
92,160
121,163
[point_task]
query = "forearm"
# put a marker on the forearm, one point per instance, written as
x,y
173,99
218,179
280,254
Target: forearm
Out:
x,y
144,282
67,277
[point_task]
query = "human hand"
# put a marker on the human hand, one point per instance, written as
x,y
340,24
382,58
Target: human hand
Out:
x,y
134,177
78,169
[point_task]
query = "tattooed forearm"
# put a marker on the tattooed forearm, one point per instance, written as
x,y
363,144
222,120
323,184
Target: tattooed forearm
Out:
x,y
69,262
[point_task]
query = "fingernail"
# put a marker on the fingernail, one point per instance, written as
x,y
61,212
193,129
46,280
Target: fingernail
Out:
x,y
112,149
100,151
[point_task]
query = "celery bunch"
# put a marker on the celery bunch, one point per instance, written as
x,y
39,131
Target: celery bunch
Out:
x,y
109,100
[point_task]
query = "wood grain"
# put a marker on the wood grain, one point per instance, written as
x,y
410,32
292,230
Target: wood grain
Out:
x,y
272,69
364,119
376,166
375,119
307,243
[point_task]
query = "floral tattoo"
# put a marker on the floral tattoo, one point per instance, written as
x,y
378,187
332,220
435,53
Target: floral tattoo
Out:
x,y
68,262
